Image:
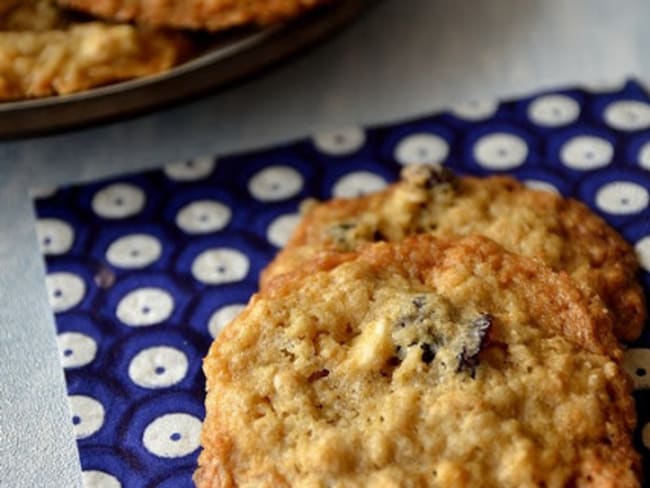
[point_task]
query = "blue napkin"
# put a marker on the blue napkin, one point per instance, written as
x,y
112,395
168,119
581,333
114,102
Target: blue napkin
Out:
x,y
143,270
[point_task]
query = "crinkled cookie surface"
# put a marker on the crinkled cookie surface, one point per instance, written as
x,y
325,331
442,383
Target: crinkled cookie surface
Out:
x,y
560,232
422,363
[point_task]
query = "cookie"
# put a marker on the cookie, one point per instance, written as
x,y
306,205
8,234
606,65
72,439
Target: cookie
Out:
x,y
31,15
211,15
563,233
77,57
423,363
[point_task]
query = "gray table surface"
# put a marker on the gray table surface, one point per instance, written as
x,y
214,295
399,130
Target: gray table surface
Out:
x,y
403,58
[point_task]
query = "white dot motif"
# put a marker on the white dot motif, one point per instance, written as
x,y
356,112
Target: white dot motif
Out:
x,y
622,197
553,110
203,216
605,85
275,183
500,151
636,362
642,248
223,316
158,367
628,115
474,110
99,479
134,251
541,186
221,265
357,183
280,230
172,435
194,169
145,306
75,349
421,148
54,236
87,415
65,290
118,201
586,152
644,156
340,142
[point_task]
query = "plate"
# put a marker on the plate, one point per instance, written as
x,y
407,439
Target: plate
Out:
x,y
229,59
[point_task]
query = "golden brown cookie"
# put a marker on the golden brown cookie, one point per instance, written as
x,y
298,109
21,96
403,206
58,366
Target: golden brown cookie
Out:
x,y
195,14
562,233
424,363
31,15
82,56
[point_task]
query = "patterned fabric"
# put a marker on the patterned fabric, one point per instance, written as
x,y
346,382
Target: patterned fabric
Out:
x,y
144,270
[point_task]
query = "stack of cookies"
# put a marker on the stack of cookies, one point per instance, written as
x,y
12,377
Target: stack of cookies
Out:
x,y
58,47
447,331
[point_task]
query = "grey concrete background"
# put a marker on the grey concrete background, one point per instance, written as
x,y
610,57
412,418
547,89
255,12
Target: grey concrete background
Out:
x,y
403,58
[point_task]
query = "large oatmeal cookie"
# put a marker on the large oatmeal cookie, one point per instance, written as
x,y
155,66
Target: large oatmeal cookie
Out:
x,y
424,363
195,14
563,233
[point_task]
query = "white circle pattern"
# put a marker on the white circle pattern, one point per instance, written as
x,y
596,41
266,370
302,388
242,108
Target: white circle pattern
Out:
x,y
642,248
553,110
158,367
604,85
644,156
358,183
622,197
500,151
280,230
347,140
275,183
541,185
145,306
118,201
87,415
172,435
474,110
76,349
222,317
134,251
222,265
54,236
628,115
586,152
99,479
65,290
194,169
421,148
203,216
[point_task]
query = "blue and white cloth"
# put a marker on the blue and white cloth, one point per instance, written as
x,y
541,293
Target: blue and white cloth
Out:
x,y
144,270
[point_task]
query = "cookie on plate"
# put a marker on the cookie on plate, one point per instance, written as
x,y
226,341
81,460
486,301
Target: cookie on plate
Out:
x,y
210,15
420,363
563,233
77,57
